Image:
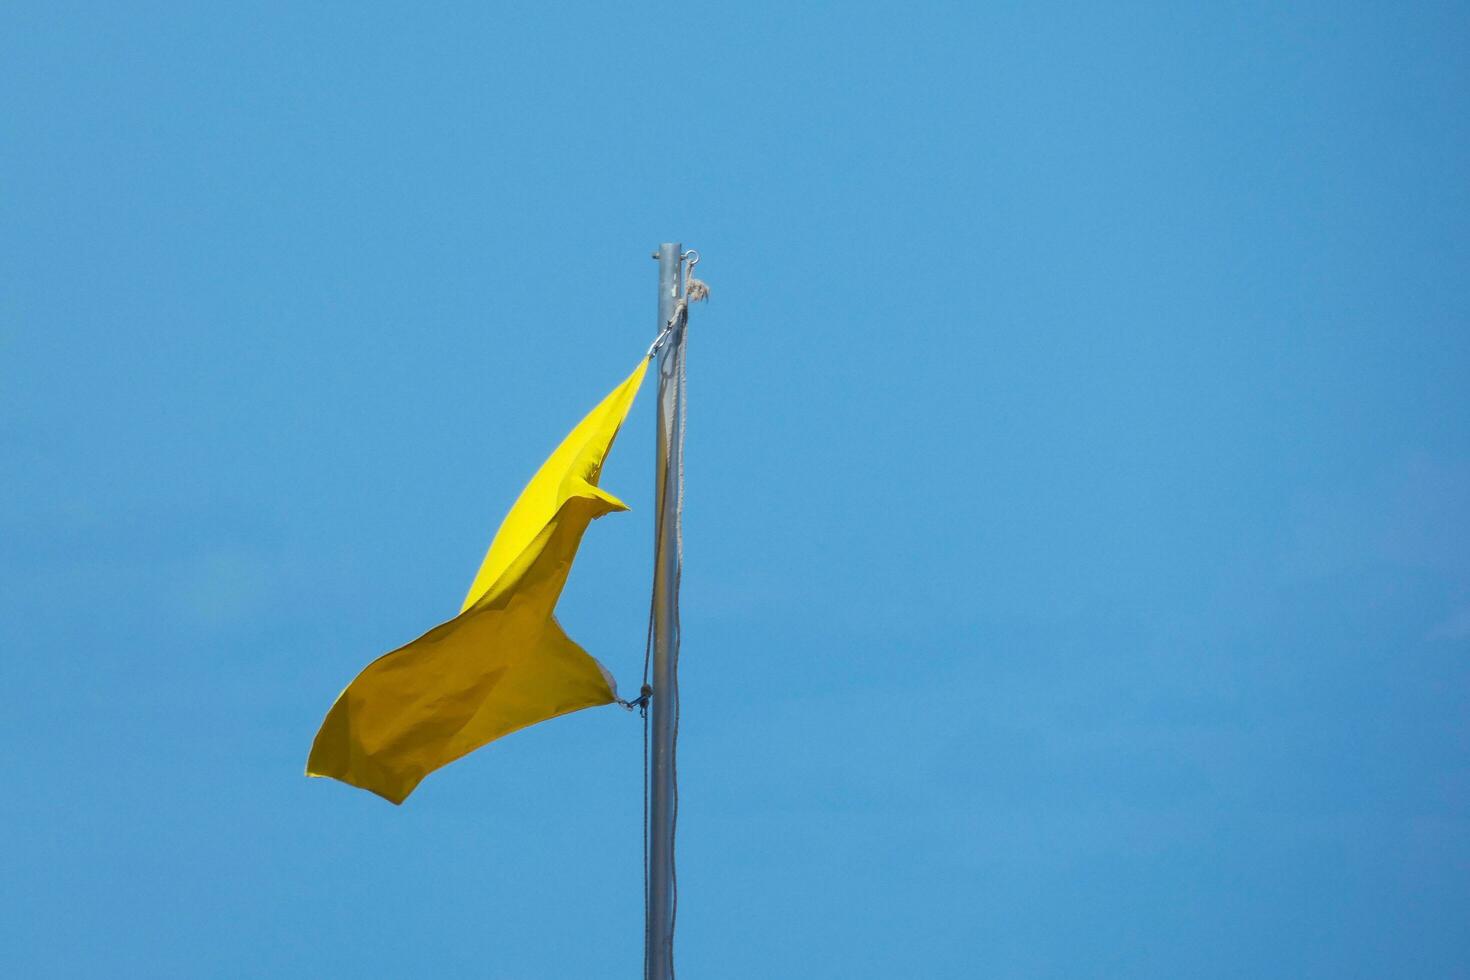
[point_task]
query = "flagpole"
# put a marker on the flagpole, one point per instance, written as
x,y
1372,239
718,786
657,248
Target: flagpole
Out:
x,y
668,475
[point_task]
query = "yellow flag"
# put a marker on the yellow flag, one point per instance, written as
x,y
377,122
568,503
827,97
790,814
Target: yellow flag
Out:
x,y
503,663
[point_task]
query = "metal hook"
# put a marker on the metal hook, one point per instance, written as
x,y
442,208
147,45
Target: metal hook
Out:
x,y
694,290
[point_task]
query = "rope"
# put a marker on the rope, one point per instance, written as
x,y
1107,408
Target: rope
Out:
x,y
681,312
646,936
680,427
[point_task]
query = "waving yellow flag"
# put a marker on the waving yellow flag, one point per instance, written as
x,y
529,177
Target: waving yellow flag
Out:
x,y
503,663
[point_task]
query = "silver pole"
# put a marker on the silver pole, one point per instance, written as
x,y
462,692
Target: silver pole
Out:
x,y
659,958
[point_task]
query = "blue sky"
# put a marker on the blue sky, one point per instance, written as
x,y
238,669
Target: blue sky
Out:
x,y
1078,526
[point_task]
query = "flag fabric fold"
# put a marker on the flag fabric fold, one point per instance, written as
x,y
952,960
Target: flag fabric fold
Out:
x,y
504,662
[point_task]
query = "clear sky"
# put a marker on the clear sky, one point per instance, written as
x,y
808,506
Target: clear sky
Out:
x,y
1078,525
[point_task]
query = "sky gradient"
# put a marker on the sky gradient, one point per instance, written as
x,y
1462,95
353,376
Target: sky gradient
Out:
x,y
1078,522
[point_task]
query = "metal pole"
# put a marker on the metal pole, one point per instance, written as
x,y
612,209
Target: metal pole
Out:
x,y
665,701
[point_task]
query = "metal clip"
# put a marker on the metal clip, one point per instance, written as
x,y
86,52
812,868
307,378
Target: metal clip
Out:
x,y
640,702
